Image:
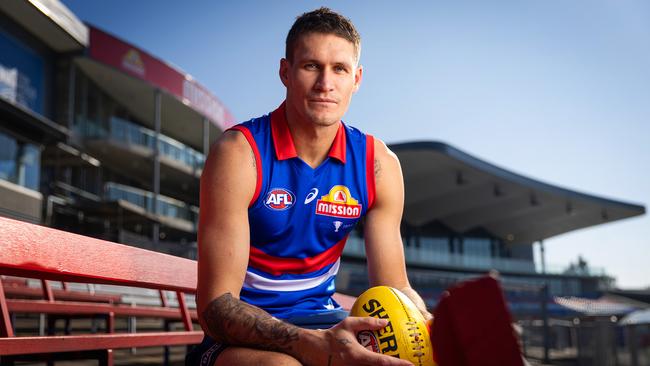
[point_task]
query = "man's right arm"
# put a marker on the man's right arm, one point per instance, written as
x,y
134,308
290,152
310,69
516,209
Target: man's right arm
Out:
x,y
227,187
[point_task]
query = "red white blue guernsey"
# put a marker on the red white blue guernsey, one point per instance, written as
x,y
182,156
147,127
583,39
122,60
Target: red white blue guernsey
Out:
x,y
300,216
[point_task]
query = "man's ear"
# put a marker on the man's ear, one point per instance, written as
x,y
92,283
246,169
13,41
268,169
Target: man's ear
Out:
x,y
284,71
358,76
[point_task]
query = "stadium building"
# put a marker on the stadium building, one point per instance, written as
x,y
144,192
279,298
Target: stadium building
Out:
x,y
464,217
101,138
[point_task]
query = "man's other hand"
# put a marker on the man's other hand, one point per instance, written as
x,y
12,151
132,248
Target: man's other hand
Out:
x,y
344,349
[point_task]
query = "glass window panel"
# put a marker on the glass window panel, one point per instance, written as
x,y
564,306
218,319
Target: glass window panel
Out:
x,y
19,162
437,244
433,250
476,247
29,172
8,153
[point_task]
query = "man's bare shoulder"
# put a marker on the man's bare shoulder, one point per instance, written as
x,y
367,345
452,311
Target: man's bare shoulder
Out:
x,y
230,165
230,150
229,143
386,162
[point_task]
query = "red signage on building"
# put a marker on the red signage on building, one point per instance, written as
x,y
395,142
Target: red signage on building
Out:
x,y
114,52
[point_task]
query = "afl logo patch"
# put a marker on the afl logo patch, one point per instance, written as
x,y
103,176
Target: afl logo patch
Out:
x,y
279,199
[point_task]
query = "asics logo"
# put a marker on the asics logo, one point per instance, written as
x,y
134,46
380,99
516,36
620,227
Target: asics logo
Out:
x,y
311,195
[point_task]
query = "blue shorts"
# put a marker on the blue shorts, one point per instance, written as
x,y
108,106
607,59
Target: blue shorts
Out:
x,y
206,353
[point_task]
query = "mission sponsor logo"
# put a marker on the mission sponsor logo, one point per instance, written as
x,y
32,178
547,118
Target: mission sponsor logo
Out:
x,y
279,199
339,203
132,61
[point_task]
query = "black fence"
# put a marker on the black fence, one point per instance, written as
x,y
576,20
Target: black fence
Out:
x,y
587,341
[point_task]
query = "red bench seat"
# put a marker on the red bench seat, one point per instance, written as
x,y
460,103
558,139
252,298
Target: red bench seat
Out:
x,y
33,251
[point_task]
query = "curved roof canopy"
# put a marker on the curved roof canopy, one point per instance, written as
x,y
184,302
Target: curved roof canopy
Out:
x,y
50,21
463,193
132,77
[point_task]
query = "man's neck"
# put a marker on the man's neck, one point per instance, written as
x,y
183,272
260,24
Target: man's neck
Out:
x,y
312,142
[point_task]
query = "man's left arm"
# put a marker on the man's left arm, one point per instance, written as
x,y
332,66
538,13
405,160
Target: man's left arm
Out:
x,y
384,249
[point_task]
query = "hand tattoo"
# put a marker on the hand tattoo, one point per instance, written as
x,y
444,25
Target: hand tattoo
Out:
x,y
344,341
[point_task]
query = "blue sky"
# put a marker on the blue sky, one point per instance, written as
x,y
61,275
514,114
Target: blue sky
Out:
x,y
558,91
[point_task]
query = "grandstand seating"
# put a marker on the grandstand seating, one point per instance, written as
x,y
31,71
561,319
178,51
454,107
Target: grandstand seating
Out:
x,y
33,251
18,287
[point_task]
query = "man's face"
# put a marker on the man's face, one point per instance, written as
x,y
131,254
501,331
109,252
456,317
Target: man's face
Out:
x,y
321,78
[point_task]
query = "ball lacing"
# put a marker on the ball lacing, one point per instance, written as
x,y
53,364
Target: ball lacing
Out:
x,y
416,338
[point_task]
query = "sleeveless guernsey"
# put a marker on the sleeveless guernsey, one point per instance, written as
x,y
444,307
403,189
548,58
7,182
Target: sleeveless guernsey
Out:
x,y
300,217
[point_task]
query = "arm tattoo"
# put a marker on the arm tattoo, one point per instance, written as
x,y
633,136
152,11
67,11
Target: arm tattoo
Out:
x,y
234,322
377,168
254,161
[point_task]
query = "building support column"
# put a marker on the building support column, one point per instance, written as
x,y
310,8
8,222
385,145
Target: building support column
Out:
x,y
546,331
542,255
71,93
206,137
631,336
156,167
84,107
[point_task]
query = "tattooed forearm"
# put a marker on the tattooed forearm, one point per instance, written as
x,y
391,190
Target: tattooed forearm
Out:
x,y
377,168
234,322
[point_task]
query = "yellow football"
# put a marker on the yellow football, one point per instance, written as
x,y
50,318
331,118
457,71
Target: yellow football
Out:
x,y
406,335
